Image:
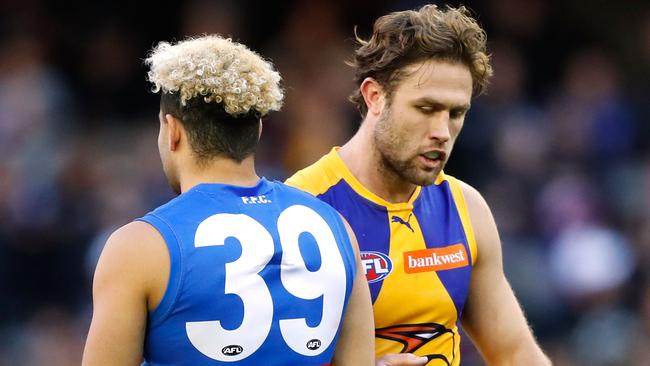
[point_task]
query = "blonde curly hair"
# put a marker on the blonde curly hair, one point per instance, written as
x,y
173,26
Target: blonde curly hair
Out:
x,y
220,71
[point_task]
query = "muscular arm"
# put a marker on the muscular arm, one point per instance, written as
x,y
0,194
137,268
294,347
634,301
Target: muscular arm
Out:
x,y
127,278
356,344
492,316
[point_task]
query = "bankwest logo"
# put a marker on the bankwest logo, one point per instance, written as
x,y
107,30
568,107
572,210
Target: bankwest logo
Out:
x,y
436,259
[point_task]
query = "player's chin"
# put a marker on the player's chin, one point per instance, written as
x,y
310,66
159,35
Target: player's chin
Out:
x,y
425,177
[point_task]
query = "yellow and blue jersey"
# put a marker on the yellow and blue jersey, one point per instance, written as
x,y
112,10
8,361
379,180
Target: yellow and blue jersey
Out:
x,y
418,256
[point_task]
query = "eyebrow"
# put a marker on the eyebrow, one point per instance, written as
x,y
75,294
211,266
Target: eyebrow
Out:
x,y
438,104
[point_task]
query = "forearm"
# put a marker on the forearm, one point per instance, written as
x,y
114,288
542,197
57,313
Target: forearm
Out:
x,y
524,352
532,356
504,340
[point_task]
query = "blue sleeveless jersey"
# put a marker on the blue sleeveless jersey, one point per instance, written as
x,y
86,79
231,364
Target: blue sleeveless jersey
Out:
x,y
259,276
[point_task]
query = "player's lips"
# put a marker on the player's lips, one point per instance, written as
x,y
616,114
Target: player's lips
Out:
x,y
433,158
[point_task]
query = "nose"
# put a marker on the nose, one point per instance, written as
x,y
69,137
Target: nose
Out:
x,y
439,126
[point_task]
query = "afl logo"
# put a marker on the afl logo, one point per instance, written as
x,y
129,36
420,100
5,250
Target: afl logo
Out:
x,y
232,350
314,344
377,265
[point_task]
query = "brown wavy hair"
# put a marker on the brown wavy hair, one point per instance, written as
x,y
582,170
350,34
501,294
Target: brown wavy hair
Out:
x,y
404,38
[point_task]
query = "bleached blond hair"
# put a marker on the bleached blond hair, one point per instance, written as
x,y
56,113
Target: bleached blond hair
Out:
x,y
220,71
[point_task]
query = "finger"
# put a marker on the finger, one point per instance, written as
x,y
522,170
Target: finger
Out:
x,y
401,359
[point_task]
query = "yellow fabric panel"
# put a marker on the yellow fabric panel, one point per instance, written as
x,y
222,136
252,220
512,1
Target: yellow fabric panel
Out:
x,y
318,177
329,170
416,298
463,212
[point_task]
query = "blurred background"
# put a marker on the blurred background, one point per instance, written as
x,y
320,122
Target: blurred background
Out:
x,y
560,147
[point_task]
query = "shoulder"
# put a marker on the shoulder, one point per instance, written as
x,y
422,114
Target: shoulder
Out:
x,y
484,227
470,197
292,188
135,244
134,255
307,179
306,197
139,231
316,178
181,200
476,204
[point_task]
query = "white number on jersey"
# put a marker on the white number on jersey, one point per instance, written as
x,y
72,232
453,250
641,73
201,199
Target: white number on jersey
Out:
x,y
243,280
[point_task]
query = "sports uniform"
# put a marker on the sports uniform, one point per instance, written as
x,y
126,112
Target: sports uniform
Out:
x,y
259,276
418,257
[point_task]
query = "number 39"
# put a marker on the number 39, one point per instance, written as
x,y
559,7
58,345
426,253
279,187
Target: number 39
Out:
x,y
243,280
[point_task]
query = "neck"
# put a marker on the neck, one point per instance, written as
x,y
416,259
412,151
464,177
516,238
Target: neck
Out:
x,y
220,170
365,162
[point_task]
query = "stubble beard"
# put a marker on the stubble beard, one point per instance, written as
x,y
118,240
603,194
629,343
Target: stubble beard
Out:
x,y
390,164
405,169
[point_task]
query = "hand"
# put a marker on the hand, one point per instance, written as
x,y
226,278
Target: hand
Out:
x,y
401,359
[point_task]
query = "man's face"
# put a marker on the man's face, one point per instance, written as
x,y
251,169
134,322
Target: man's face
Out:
x,y
422,119
165,155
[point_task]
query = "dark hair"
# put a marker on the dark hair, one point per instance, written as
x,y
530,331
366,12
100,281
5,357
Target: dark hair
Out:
x,y
211,131
403,38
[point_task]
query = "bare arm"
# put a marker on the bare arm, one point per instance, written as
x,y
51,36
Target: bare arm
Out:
x,y
492,316
356,344
126,278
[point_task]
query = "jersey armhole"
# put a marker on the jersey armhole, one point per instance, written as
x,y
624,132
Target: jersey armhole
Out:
x,y
348,251
463,212
162,311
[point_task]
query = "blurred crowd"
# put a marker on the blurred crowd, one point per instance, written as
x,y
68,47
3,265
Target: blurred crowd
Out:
x,y
560,148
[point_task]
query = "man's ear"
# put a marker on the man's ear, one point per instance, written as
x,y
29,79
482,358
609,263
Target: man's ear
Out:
x,y
374,95
175,129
